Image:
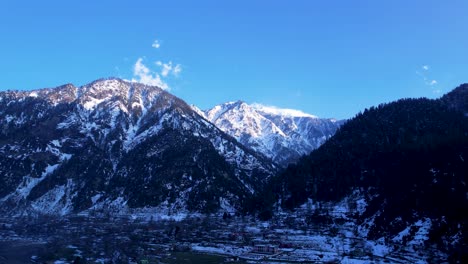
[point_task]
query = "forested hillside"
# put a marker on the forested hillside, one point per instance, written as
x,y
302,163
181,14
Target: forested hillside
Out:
x,y
409,158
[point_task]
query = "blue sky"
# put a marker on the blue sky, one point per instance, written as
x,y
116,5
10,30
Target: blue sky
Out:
x,y
327,58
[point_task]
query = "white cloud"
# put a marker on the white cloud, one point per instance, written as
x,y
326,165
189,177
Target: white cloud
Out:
x,y
177,69
143,74
156,44
425,76
166,69
169,68
280,111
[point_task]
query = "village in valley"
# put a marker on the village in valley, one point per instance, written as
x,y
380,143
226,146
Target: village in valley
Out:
x,y
306,236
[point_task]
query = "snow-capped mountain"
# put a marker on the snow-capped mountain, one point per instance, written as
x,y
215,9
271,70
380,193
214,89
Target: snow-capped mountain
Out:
x,y
283,135
118,144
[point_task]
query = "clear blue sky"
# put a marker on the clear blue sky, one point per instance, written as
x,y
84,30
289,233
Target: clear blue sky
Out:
x,y
328,58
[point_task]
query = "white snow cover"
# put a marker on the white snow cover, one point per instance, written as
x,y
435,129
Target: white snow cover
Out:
x,y
280,134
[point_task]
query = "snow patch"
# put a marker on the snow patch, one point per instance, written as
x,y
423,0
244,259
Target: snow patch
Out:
x,y
92,103
29,182
226,206
96,198
56,201
361,205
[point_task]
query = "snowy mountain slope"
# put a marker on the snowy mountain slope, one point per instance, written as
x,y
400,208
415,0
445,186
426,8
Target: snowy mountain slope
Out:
x,y
113,143
283,135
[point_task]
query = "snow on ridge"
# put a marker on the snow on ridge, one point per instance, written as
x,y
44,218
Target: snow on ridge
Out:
x,y
198,111
280,134
114,90
281,111
102,107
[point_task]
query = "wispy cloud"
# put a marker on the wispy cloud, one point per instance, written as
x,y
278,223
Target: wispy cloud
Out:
x,y
425,75
177,70
281,111
166,69
143,74
156,44
169,68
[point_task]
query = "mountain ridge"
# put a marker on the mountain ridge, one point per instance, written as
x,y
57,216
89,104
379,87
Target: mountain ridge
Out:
x,y
283,135
77,145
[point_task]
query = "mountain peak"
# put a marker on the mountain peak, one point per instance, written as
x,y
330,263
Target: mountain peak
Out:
x,y
238,102
115,84
233,104
281,134
114,142
112,93
115,90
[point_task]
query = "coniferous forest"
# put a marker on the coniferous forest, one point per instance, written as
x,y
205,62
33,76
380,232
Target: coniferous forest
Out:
x,y
409,157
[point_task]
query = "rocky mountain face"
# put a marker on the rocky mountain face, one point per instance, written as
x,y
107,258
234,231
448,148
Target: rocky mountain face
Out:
x,y
283,135
118,145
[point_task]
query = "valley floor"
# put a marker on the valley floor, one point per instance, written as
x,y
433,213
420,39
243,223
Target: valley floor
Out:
x,y
201,239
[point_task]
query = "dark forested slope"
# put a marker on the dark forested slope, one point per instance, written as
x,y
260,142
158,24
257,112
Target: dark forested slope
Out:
x,y
410,156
